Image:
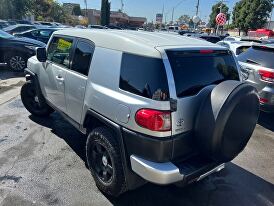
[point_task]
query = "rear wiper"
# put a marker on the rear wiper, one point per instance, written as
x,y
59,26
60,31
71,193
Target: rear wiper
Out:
x,y
252,61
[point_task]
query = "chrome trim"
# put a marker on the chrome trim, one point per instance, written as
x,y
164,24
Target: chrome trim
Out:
x,y
216,169
163,173
159,173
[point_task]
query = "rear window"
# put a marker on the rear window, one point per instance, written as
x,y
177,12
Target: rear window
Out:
x,y
258,55
194,70
144,76
241,49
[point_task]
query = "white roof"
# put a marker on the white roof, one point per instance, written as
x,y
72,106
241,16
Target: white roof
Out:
x,y
136,42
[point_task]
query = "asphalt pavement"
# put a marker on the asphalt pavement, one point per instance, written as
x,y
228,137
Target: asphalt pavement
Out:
x,y
42,162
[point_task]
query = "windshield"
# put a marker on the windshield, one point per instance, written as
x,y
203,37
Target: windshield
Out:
x,y
5,35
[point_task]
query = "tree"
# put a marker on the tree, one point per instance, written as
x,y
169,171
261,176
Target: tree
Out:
x,y
191,24
76,10
105,12
251,14
184,19
13,9
58,13
215,11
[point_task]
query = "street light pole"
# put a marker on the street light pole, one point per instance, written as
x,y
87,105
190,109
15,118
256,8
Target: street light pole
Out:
x,y
197,7
174,9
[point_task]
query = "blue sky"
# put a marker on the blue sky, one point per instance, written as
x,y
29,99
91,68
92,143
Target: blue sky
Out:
x,y
149,8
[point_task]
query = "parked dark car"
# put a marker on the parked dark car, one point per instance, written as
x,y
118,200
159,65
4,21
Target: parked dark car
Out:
x,y
14,52
23,22
210,38
42,35
18,28
11,22
114,27
3,24
96,27
182,32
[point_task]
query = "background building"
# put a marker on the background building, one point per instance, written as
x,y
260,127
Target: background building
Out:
x,y
116,18
69,7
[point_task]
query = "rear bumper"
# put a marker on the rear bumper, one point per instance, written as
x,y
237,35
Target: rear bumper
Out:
x,y
267,94
267,108
167,173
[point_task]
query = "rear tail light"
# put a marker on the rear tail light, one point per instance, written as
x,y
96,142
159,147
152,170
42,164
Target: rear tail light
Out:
x,y
154,120
267,75
263,100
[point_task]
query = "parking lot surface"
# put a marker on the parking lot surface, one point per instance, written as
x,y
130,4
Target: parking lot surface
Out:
x,y
42,162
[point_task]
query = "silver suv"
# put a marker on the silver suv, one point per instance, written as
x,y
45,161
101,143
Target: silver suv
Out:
x,y
156,107
257,68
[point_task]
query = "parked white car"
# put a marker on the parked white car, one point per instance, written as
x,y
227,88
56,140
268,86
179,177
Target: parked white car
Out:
x,y
237,47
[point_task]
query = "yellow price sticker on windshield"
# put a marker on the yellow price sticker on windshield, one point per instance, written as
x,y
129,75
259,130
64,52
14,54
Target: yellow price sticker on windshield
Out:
x,y
63,45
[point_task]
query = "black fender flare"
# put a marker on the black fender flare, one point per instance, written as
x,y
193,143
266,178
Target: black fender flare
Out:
x,y
33,78
132,180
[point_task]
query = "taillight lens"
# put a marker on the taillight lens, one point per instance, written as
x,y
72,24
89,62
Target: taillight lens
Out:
x,y
266,75
154,120
263,100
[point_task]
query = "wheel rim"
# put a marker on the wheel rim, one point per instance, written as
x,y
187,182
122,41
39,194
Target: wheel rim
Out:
x,y
17,63
102,163
33,99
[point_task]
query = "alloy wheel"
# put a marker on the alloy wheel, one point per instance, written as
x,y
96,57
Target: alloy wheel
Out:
x,y
17,63
102,163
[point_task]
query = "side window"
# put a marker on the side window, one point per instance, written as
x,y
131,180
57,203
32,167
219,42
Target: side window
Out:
x,y
59,50
35,33
144,76
82,57
45,33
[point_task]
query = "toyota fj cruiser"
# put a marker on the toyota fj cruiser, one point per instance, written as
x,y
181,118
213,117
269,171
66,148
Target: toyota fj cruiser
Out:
x,y
156,107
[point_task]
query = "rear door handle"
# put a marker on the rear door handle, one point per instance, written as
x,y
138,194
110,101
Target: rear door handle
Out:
x,y
60,78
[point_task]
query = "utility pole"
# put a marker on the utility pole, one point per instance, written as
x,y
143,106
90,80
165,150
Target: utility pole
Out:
x,y
86,7
197,13
163,10
174,9
197,7
222,1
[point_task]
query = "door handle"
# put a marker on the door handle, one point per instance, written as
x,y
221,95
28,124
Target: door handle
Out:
x,y
60,78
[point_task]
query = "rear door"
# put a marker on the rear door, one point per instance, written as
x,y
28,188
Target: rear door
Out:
x,y
76,78
195,73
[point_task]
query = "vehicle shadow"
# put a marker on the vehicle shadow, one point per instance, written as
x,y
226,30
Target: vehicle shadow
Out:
x,y
266,120
62,129
232,186
7,74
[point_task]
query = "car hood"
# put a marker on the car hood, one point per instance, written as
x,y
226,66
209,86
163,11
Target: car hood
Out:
x,y
29,41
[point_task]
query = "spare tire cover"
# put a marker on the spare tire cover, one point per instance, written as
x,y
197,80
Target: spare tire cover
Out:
x,y
226,120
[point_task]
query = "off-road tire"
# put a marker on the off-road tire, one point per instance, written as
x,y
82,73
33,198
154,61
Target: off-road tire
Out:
x,y
28,95
105,137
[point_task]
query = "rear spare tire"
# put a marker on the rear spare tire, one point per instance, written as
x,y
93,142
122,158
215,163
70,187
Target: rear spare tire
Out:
x,y
226,120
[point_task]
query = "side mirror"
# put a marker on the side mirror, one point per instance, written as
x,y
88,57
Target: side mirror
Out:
x,y
41,54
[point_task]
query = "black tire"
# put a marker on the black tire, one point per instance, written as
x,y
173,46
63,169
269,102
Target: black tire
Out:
x,y
16,61
32,103
114,184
